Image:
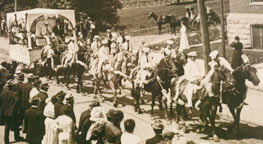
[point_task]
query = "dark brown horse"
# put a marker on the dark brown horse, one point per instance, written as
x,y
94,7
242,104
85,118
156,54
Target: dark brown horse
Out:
x,y
234,93
161,20
165,70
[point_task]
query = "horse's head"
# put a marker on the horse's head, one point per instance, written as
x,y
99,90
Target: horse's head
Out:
x,y
250,73
151,14
170,64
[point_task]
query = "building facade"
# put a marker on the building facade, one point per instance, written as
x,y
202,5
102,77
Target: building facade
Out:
x,y
246,21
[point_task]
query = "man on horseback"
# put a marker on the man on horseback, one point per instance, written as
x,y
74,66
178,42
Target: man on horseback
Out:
x,y
193,75
103,55
146,65
49,54
70,56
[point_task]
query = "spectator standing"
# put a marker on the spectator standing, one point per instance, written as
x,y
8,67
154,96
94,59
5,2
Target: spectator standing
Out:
x,y
42,95
237,53
128,137
34,123
9,111
158,127
184,43
59,104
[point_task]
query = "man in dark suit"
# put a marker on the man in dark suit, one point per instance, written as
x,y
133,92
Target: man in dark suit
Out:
x,y
9,110
158,127
42,95
85,123
34,123
59,104
58,30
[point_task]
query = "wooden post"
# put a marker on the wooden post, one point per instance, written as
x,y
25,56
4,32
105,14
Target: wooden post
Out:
x,y
204,32
223,29
15,5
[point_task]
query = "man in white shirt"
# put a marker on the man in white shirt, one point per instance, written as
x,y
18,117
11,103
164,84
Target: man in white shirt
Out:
x,y
193,74
128,137
103,55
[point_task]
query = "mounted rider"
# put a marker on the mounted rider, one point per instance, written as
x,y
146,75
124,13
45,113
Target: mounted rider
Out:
x,y
70,55
145,67
103,55
126,52
95,45
193,76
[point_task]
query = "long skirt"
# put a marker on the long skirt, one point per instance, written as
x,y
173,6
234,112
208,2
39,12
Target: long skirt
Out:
x,y
184,44
236,59
51,135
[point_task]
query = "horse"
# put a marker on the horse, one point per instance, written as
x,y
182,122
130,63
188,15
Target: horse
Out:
x,y
159,81
161,20
233,94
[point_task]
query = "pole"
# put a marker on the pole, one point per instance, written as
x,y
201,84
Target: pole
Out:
x,y
204,32
15,5
223,29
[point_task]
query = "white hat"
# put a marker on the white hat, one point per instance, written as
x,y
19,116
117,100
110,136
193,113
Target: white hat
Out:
x,y
108,30
170,42
146,49
213,54
105,41
245,58
96,36
167,51
128,37
193,53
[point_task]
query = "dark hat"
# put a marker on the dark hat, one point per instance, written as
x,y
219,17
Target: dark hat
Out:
x,y
4,63
37,82
44,86
94,104
21,77
115,115
157,124
60,95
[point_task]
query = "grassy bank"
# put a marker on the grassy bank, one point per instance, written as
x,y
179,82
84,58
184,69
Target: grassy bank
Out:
x,y
137,18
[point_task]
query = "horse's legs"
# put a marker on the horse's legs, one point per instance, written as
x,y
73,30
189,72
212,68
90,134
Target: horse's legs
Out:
x,y
160,28
234,116
161,103
238,120
153,102
212,117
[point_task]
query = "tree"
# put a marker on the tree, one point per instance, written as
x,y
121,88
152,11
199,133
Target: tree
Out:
x,y
103,12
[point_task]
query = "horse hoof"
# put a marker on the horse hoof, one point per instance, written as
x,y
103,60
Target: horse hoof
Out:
x,y
140,111
216,138
115,104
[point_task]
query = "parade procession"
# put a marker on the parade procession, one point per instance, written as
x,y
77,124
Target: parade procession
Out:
x,y
116,72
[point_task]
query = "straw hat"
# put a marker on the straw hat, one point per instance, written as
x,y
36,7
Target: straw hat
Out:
x,y
97,113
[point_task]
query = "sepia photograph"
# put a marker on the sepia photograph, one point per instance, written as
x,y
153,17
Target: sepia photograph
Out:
x,y
131,71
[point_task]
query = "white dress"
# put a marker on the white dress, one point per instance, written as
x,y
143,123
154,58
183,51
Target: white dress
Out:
x,y
66,129
184,44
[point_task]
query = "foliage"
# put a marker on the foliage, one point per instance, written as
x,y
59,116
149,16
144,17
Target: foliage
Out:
x,y
103,12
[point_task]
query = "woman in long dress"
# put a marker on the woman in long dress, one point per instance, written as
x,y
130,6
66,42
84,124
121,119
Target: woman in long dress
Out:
x,y
184,44
49,112
236,59
65,127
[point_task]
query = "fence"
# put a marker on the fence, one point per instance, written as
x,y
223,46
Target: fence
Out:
x,y
146,3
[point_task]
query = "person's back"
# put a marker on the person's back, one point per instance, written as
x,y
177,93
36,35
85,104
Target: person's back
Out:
x,y
112,133
34,123
128,137
8,104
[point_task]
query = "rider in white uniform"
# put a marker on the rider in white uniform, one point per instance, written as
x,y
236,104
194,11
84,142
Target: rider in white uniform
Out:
x,y
193,74
146,64
103,55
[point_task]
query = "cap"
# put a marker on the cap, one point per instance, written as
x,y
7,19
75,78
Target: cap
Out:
x,y
213,54
170,42
193,53
157,124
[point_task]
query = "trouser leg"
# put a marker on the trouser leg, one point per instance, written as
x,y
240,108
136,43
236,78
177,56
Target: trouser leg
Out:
x,y
8,124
